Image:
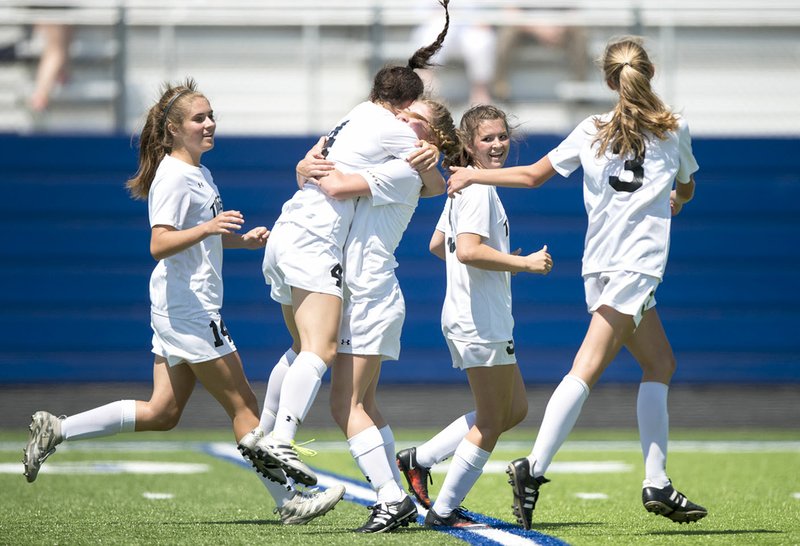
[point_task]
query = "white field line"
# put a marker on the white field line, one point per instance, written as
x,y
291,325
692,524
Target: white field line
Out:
x,y
361,493
571,467
110,467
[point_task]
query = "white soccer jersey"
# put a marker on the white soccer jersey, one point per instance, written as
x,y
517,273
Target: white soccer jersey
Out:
x,y
477,305
378,226
627,201
187,284
367,136
374,307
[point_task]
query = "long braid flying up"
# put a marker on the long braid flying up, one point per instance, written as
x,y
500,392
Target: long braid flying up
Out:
x,y
397,86
421,57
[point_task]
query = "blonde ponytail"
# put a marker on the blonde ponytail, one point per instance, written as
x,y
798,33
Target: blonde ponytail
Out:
x,y
639,112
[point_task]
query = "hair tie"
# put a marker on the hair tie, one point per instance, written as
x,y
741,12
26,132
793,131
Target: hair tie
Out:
x,y
168,106
626,63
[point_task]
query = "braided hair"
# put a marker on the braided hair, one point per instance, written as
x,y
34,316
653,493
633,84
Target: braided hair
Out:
x,y
443,131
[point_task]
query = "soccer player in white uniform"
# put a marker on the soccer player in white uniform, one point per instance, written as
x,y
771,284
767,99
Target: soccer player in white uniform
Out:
x,y
190,340
374,308
303,260
472,237
631,159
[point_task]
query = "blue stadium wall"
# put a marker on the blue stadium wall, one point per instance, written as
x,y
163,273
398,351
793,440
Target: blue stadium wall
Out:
x,y
75,265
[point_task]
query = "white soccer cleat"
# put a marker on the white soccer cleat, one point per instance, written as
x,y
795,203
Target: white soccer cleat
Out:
x,y
307,505
247,447
45,436
274,451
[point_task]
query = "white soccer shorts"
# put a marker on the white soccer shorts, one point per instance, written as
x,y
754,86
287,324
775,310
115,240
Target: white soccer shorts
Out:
x,y
190,340
468,354
372,326
628,292
294,257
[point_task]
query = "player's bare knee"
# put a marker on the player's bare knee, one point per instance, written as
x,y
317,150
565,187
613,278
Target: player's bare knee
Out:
x,y
518,414
328,353
163,422
490,431
660,369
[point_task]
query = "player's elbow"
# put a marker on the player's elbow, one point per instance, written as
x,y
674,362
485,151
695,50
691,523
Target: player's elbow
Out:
x,y
157,253
534,182
533,178
466,255
685,192
336,192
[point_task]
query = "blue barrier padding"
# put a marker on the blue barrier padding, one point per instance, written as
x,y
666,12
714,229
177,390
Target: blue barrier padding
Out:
x,y
76,265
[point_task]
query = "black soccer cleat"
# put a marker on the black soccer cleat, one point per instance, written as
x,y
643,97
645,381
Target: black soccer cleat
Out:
x,y
387,516
672,504
417,476
247,447
526,490
458,518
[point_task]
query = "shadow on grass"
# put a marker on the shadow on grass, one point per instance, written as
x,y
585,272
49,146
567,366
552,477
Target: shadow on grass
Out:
x,y
231,522
539,526
695,532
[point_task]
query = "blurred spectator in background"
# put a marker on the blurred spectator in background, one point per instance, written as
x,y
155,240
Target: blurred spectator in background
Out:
x,y
510,37
475,43
53,64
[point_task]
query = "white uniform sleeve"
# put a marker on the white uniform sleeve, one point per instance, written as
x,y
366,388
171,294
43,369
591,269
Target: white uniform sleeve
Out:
x,y
398,139
473,211
441,225
169,202
393,182
566,157
688,164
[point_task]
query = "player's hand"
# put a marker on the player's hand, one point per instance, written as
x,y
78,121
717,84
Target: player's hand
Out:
x,y
227,221
539,262
314,164
256,238
424,159
459,179
675,205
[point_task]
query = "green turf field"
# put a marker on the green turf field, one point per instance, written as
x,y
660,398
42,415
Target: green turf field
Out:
x,y
748,480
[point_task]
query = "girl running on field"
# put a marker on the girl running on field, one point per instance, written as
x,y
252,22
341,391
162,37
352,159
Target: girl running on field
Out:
x,y
632,158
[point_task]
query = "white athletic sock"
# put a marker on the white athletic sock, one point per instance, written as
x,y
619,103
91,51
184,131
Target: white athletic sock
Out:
x,y
389,448
273,396
444,444
465,469
119,416
560,416
280,493
298,391
651,412
366,447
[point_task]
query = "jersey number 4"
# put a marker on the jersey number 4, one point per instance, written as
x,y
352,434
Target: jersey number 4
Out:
x,y
332,138
634,166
